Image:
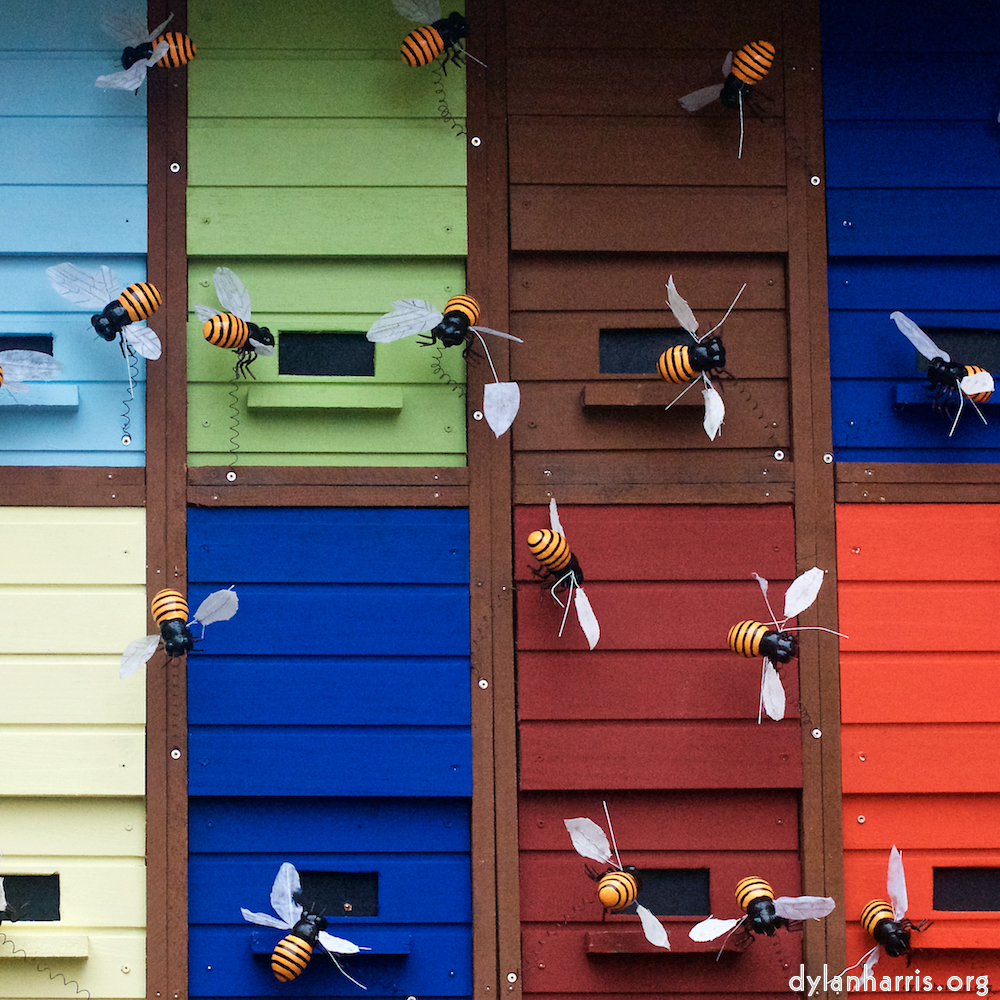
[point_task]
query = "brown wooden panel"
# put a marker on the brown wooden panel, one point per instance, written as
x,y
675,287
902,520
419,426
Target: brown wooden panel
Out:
x,y
616,150
72,486
644,219
637,281
927,821
622,83
934,757
566,344
666,820
552,418
653,755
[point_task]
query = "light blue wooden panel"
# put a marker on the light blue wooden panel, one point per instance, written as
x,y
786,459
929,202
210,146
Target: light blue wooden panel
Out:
x,y
42,84
57,25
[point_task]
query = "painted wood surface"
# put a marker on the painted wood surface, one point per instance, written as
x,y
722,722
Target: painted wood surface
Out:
x,y
329,726
322,173
919,739
72,738
907,231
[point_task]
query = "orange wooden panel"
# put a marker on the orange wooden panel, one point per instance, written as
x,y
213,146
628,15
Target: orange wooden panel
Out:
x,y
921,758
950,616
918,542
923,821
980,961
938,686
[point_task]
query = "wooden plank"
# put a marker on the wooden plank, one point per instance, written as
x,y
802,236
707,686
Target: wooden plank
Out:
x,y
888,30
73,762
643,219
550,149
645,755
954,757
312,494
72,828
280,222
961,822
235,761
390,476
937,285
861,482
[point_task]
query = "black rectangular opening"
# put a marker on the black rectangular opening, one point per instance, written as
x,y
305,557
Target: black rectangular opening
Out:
x,y
967,888
340,894
26,342
635,351
673,892
966,346
325,352
31,897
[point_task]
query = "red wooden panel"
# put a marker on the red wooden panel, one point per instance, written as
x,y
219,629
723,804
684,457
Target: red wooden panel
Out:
x,y
643,218
895,687
669,542
660,755
666,820
921,758
614,150
644,685
567,282
926,821
889,617
918,542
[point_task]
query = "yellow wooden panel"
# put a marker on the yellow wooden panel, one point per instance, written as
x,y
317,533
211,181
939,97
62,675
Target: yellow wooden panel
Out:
x,y
73,545
32,944
68,689
75,827
63,620
40,761
115,968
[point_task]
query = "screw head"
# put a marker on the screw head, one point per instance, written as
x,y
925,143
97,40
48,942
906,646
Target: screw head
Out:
x,y
175,168
175,753
126,440
814,180
817,733
231,477
484,683
478,415
779,455
476,141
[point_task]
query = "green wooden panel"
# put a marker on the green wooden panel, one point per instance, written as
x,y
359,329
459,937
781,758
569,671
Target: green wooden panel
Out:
x,y
318,86
324,153
71,827
352,221
325,397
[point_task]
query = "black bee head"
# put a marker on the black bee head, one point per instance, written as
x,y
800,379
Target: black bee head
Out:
x,y
309,925
104,326
452,330
779,646
177,637
457,25
132,55
941,372
261,335
708,355
762,917
894,937
731,91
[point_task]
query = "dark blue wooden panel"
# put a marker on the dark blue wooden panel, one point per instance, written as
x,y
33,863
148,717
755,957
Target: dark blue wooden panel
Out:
x,y
345,761
967,285
905,27
327,690
392,545
439,965
412,888
911,222
290,825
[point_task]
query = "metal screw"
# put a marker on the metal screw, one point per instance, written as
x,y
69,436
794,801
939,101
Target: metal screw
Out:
x,y
484,683
861,819
814,180
175,168
779,455
828,458
817,733
126,440
861,757
127,970
175,753
348,907
231,476
478,415
476,141
511,977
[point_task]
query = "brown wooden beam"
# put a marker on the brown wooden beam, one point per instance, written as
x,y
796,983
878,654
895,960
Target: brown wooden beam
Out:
x,y
72,486
916,482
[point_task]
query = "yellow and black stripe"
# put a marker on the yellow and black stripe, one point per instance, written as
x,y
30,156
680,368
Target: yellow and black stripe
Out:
x,y
751,63
675,364
169,605
181,49
290,957
745,639
464,304
750,889
422,45
616,890
874,913
550,549
140,301
226,330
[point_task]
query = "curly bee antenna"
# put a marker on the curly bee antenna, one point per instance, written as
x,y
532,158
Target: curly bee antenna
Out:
x,y
438,370
443,107
234,422
133,376
54,976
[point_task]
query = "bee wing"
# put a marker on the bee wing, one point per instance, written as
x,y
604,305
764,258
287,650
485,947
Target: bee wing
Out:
x,y
710,928
123,27
589,840
232,293
205,313
727,65
286,885
655,931
554,523
699,98
804,907
136,654
264,350
408,316
265,919
586,617
501,401
918,338
219,606
338,946
802,591
3,896
144,340
496,333
715,411
92,291
681,310
762,582
980,382
870,961
22,366
772,692
421,11
133,77
895,884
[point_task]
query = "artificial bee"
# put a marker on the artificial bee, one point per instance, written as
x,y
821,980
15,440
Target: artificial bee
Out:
x,y
292,953
686,362
233,329
887,922
618,887
944,376
17,367
752,639
762,913
141,50
552,551
180,49
741,72
434,36
170,611
455,326
8,911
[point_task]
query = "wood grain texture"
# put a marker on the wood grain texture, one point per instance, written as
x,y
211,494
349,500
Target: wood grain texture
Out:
x,y
962,822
